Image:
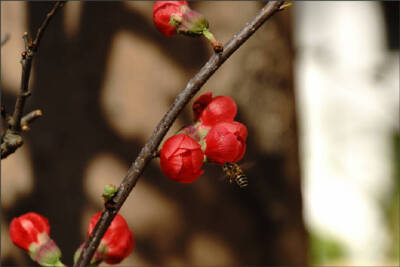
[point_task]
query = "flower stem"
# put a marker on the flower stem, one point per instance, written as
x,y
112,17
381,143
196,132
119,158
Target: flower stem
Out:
x,y
217,46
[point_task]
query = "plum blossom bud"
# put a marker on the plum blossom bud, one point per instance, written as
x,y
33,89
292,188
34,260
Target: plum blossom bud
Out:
x,y
181,159
213,110
118,241
116,244
167,14
226,142
25,230
31,232
172,17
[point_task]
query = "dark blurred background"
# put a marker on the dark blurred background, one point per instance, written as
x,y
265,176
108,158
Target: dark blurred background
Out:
x,y
104,76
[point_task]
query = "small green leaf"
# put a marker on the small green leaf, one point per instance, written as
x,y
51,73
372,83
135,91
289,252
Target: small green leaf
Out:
x,y
109,191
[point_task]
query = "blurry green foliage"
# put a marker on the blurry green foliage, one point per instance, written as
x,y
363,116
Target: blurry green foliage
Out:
x,y
324,250
391,205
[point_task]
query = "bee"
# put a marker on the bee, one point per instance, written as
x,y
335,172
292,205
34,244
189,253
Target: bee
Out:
x,y
234,173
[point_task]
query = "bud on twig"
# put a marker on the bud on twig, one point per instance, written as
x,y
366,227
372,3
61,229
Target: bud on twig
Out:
x,y
116,245
109,191
181,159
31,232
172,17
212,110
226,142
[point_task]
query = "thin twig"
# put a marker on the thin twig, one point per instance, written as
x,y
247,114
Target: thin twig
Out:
x,y
29,118
26,62
147,152
9,145
42,27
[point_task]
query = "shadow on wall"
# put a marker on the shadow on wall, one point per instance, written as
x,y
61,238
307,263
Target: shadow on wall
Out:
x,y
264,224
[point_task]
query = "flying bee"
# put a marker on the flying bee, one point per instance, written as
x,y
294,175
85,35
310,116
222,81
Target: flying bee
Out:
x,y
234,173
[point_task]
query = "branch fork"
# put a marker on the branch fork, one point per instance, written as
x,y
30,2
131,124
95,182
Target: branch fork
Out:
x,y
12,138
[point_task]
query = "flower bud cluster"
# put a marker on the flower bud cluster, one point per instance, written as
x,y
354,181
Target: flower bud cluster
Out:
x,y
214,137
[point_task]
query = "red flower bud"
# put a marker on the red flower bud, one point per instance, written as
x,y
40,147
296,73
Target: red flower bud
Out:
x,y
162,12
118,241
25,229
31,233
181,159
212,110
172,17
226,142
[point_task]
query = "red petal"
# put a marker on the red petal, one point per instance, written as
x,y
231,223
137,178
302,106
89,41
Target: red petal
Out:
x,y
189,177
197,160
191,169
162,12
171,167
237,128
201,103
161,4
220,109
179,164
189,143
25,229
19,236
222,145
187,162
118,238
120,248
242,150
171,145
93,221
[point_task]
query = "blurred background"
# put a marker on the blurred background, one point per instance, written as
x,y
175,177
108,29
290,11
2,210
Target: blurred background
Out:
x,y
317,86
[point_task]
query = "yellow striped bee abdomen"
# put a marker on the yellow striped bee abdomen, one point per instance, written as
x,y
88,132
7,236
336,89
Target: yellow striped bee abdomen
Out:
x,y
234,173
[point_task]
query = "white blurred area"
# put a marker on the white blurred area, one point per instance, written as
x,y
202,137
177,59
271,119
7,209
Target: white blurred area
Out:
x,y
348,101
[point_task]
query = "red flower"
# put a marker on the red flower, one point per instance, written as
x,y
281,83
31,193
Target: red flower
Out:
x,y
172,17
162,12
212,110
226,142
181,159
31,233
25,229
118,241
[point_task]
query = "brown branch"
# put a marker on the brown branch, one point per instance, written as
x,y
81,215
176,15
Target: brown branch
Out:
x,y
26,62
9,141
29,118
147,153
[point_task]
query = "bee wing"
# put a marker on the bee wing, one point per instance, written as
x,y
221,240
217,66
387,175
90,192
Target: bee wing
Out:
x,y
247,165
222,178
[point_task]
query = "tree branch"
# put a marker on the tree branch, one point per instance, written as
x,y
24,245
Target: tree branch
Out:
x,y
12,139
147,153
26,62
29,118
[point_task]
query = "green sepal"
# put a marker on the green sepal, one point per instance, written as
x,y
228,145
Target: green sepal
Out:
x,y
203,132
175,21
203,145
193,23
46,252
